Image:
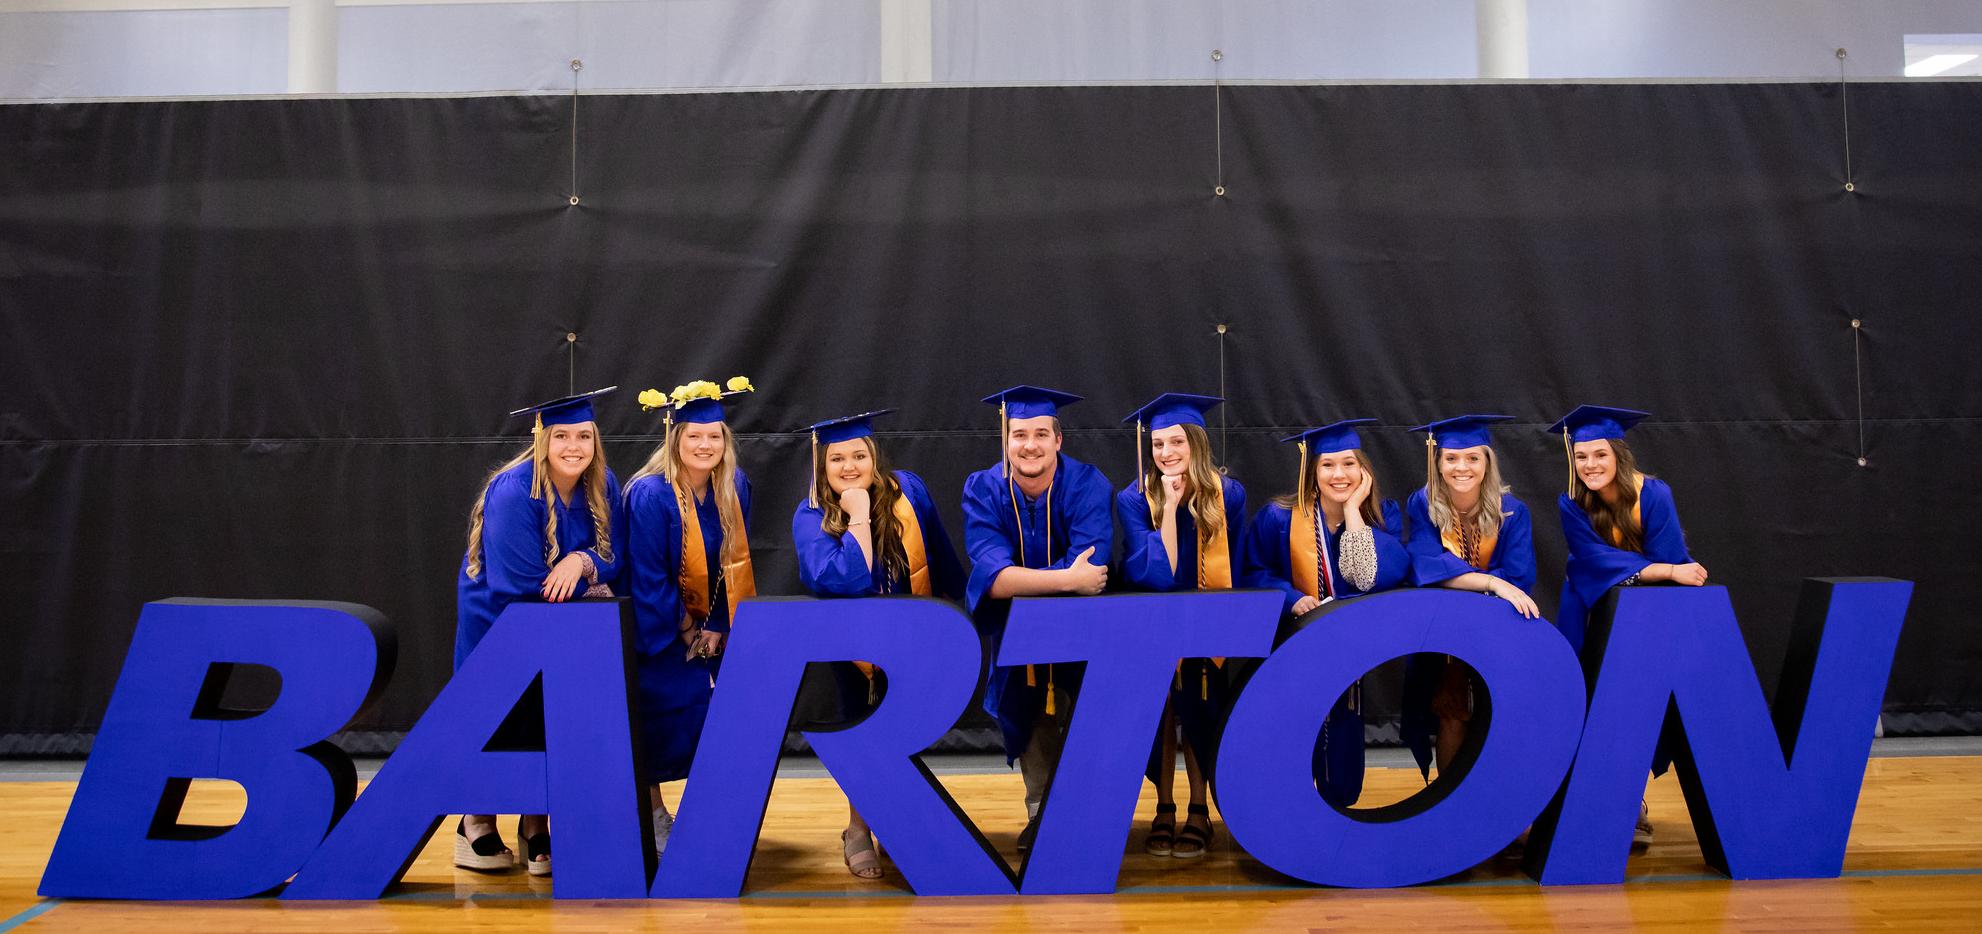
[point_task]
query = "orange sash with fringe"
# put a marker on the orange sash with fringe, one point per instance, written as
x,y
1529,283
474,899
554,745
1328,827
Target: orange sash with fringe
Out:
x,y
1482,556
739,578
918,560
1305,563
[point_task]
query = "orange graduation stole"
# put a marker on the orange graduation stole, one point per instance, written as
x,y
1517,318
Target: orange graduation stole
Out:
x,y
918,560
1303,550
739,579
1214,572
1637,514
1479,555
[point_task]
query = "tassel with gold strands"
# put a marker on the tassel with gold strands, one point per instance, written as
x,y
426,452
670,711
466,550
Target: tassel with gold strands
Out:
x,y
812,484
1431,459
1569,451
1012,490
1301,493
538,428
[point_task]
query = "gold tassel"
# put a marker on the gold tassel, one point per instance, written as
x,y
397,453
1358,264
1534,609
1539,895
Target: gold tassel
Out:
x,y
539,426
1031,679
1049,691
1431,460
1569,451
1204,685
812,482
1301,479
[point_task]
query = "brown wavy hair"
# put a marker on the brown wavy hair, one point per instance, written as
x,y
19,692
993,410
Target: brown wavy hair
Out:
x,y
1309,489
1206,494
884,490
1613,519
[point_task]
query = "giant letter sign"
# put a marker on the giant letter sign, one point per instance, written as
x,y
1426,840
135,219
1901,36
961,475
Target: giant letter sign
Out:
x,y
165,725
1524,732
583,778
1131,644
1769,801
931,658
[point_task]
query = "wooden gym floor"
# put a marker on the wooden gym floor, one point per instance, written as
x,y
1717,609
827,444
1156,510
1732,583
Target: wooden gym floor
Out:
x,y
1914,863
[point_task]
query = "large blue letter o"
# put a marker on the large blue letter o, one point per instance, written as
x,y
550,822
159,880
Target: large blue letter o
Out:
x,y
1265,788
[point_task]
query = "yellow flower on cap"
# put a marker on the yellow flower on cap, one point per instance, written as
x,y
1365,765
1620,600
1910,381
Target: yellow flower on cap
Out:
x,y
699,389
651,399
740,384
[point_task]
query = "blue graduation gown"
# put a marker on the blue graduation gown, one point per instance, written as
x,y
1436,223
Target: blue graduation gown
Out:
x,y
674,688
1595,565
1199,694
513,566
1269,561
1081,519
1513,560
1337,760
834,566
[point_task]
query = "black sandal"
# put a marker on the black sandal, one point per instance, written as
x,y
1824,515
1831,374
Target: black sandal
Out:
x,y
535,845
485,853
1193,840
1162,831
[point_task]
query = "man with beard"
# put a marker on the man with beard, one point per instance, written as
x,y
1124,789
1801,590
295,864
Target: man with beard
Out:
x,y
1036,523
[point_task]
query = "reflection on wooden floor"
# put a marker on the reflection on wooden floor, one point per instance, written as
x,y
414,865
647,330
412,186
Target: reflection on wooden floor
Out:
x,y
1915,863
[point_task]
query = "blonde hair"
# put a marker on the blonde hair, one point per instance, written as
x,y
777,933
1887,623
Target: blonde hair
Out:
x,y
885,490
1206,497
1438,500
1309,488
665,461
538,455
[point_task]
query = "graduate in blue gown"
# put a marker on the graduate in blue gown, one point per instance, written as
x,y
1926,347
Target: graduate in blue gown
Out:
x,y
685,577
1467,533
1622,529
547,526
1333,538
1183,528
1620,524
1037,522
864,530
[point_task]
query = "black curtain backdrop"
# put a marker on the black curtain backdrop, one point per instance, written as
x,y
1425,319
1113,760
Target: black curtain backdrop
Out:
x,y
263,348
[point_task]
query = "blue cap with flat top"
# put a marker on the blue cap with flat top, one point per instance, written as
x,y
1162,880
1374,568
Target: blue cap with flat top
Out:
x,y
1329,439
1597,422
1464,431
1174,408
569,410
1031,401
846,428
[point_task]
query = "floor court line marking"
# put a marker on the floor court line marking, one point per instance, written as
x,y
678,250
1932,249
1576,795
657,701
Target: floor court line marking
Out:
x,y
40,908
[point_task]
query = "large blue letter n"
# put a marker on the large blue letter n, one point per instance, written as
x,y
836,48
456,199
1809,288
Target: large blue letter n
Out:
x,y
1770,801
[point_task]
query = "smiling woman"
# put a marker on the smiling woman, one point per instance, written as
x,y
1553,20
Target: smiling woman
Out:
x,y
689,564
545,523
864,530
1467,533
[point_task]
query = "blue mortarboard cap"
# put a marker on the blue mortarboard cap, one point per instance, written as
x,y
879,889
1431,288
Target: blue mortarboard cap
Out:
x,y
835,430
569,410
1465,431
1591,422
1031,401
1174,408
1329,439
699,412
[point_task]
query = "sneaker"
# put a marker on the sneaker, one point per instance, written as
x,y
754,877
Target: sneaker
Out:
x,y
1641,836
663,825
